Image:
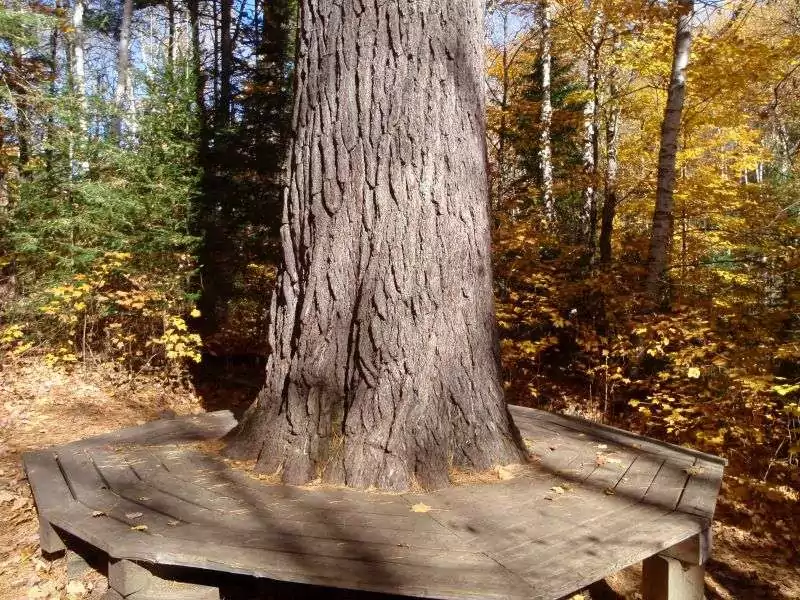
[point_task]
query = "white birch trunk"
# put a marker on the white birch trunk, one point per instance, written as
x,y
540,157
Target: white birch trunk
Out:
x,y
612,150
546,117
123,90
79,64
663,218
590,138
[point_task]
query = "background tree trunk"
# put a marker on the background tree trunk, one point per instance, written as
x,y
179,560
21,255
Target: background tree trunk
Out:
x,y
226,63
590,139
79,64
546,116
663,218
383,368
122,92
612,148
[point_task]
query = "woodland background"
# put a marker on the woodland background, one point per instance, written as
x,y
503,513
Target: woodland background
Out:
x,y
140,153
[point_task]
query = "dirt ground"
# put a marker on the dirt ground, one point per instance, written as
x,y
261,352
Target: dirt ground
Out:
x,y
756,552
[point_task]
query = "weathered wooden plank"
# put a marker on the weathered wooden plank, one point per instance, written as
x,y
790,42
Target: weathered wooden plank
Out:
x,y
500,516
591,508
93,492
124,483
659,499
647,498
582,499
392,550
620,436
602,556
700,495
50,489
334,514
429,582
103,533
206,426
50,492
326,498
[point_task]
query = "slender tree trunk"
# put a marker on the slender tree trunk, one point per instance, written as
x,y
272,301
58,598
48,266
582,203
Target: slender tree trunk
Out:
x,y
50,131
383,368
502,130
122,92
199,74
79,65
546,115
590,140
215,48
612,149
171,37
226,63
20,90
663,218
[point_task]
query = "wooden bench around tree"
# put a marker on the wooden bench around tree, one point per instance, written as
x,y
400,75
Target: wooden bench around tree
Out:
x,y
172,521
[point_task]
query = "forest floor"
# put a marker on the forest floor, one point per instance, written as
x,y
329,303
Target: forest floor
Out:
x,y
756,552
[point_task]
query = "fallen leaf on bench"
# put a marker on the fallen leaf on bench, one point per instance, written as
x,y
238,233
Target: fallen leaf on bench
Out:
x,y
98,513
134,515
139,528
420,508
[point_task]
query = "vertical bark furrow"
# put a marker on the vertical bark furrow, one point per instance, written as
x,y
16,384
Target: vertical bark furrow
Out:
x,y
384,366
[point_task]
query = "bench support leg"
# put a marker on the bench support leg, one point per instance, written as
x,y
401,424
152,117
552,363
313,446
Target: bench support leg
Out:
x,y
132,581
665,578
49,539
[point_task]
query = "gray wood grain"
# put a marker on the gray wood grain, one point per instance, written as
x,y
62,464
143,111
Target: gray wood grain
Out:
x,y
592,502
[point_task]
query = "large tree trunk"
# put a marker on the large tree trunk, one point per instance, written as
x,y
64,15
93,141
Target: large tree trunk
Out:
x,y
383,368
122,92
663,219
546,115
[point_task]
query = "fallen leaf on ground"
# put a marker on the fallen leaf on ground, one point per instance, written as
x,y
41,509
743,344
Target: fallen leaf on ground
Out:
x,y
557,489
35,593
76,589
504,473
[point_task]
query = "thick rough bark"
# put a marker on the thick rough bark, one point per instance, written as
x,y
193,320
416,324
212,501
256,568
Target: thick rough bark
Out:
x,y
383,368
663,218
546,115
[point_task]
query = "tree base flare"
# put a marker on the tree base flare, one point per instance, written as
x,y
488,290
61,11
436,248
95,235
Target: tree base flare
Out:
x,y
424,458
